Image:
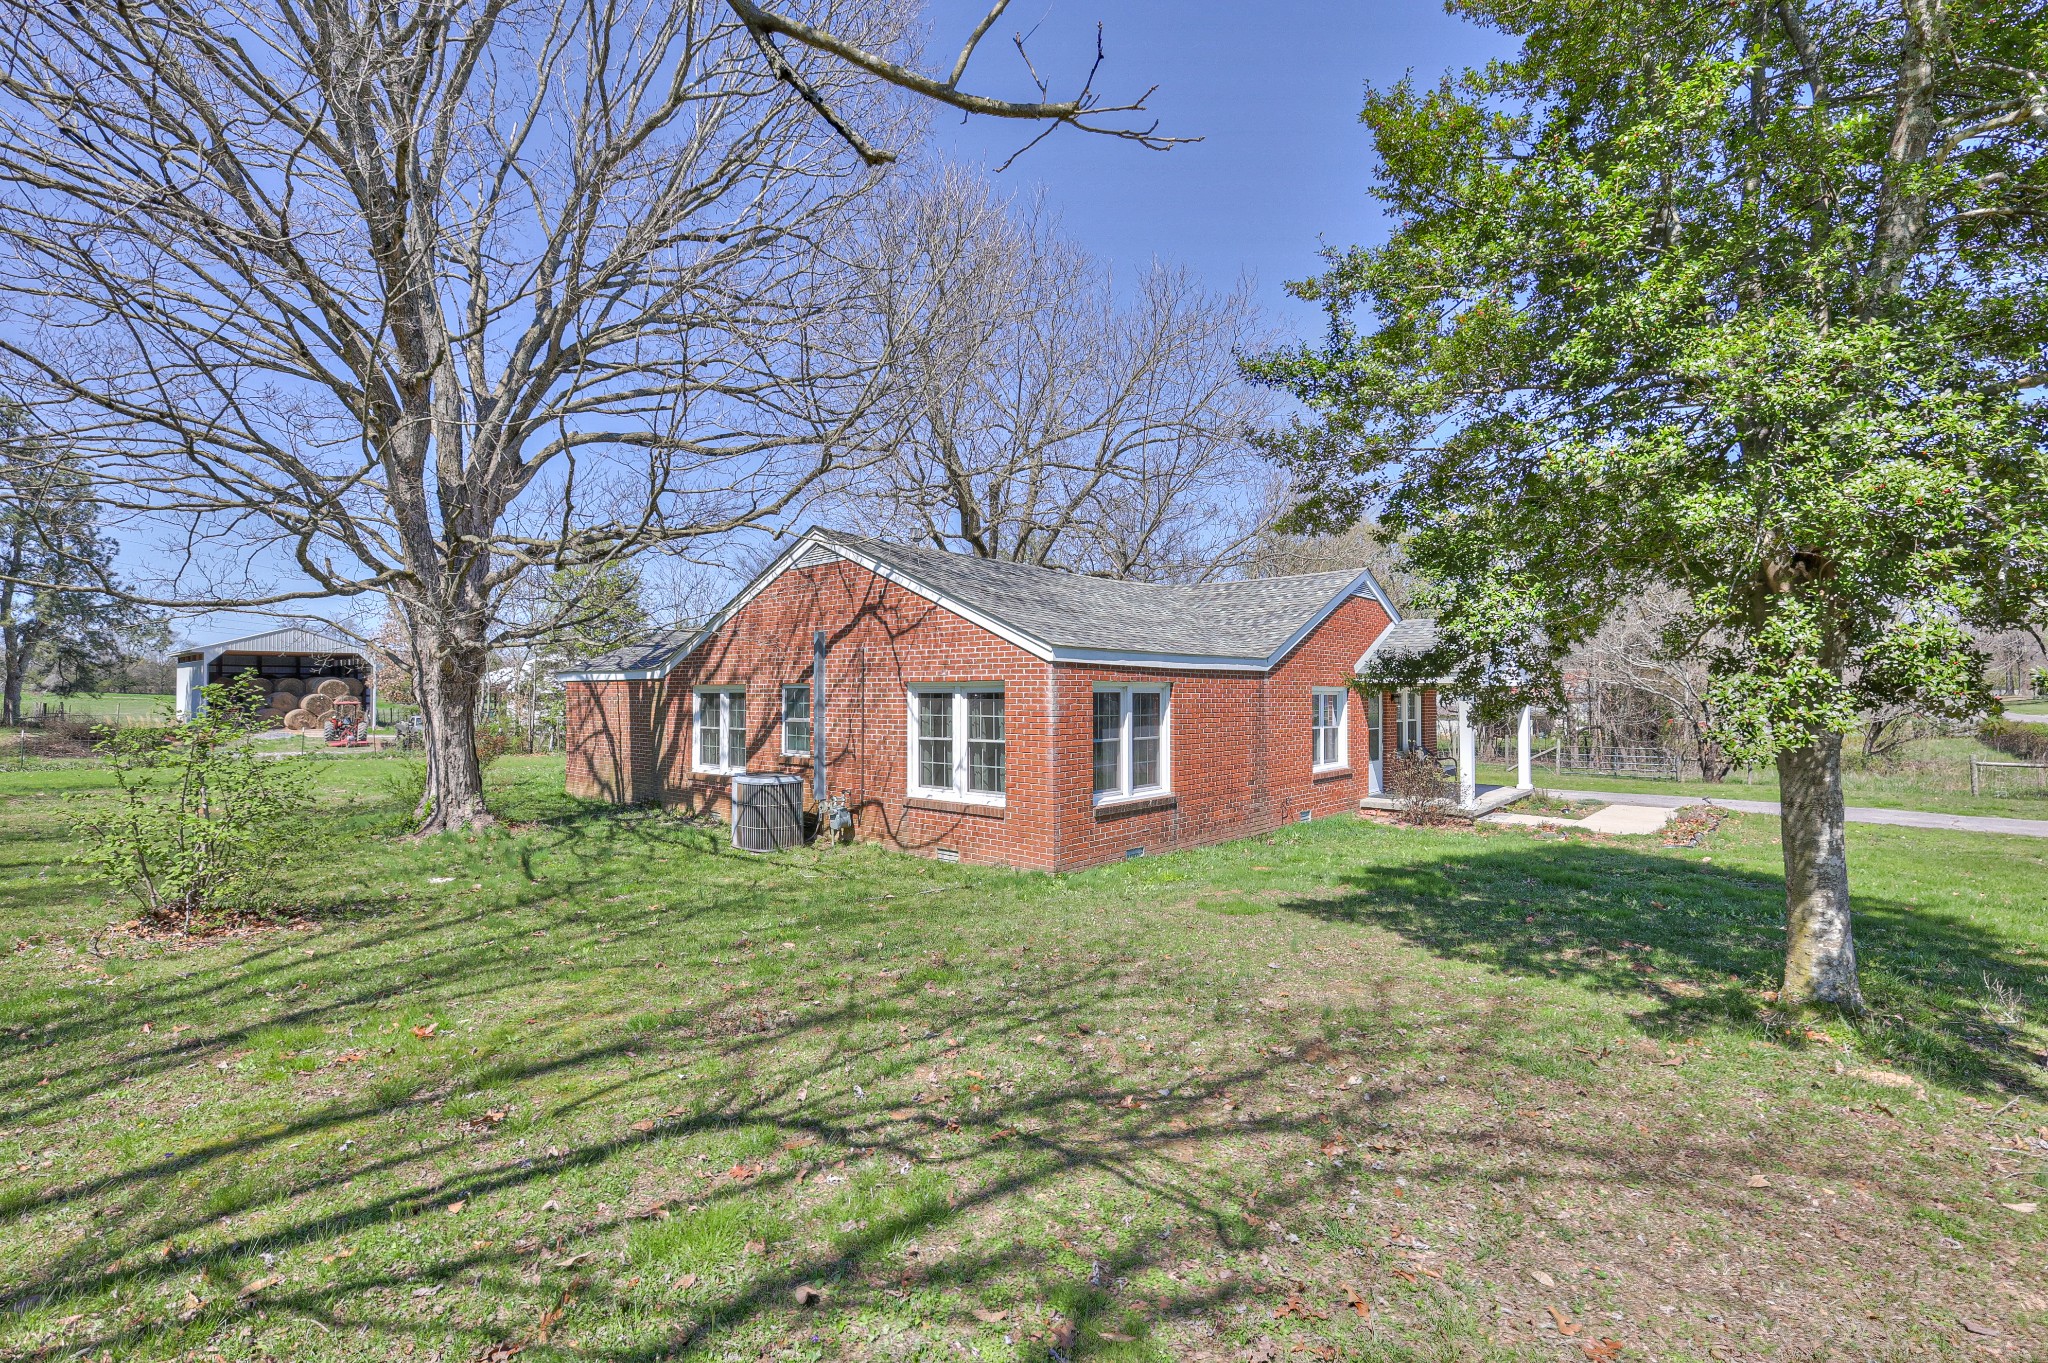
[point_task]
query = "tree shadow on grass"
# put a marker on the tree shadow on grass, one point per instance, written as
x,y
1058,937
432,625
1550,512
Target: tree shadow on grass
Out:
x,y
1703,945
1041,1138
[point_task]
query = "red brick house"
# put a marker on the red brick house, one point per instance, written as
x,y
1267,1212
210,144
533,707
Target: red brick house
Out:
x,y
1001,713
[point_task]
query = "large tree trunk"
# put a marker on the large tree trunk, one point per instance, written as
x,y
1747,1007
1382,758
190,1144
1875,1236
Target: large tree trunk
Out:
x,y
449,675
13,663
1820,953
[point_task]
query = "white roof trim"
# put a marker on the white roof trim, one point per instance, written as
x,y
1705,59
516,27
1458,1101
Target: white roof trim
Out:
x,y
1374,647
1031,644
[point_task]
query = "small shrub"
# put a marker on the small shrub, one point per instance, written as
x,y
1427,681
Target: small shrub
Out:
x,y
1417,780
496,738
198,814
403,780
2028,742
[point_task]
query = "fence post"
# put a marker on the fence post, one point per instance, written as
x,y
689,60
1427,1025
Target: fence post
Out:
x,y
1973,776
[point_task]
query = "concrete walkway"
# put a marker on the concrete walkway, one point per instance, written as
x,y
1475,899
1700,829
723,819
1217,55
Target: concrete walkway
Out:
x,y
1897,818
1625,819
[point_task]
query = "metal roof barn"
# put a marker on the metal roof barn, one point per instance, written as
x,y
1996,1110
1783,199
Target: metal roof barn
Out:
x,y
290,652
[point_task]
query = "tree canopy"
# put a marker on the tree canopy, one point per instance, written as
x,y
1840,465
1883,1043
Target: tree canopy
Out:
x,y
1745,300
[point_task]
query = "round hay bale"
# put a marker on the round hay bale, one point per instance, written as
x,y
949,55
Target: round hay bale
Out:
x,y
333,686
281,704
291,686
355,687
298,721
317,705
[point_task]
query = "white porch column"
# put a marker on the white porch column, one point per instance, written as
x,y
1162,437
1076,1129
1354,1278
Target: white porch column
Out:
x,y
1468,780
1522,750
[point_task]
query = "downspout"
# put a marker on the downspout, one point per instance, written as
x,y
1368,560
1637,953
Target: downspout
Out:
x,y
818,783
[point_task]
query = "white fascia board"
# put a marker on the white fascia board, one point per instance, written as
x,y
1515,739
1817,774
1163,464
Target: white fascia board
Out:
x,y
1351,589
1366,657
1186,662
637,674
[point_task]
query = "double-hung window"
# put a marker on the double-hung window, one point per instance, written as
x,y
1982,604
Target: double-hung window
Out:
x,y
1327,725
1130,742
958,750
721,729
1410,736
796,720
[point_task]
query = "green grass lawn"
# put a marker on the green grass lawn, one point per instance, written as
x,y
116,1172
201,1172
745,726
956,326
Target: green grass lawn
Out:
x,y
124,705
593,1086
1931,774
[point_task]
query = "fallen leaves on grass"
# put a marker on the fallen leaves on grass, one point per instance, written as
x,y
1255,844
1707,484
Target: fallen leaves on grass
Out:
x,y
1759,1181
1600,1350
502,1352
251,1289
1297,1309
343,1253
424,1032
1565,1324
2023,1208
806,1295
990,1317
1357,1303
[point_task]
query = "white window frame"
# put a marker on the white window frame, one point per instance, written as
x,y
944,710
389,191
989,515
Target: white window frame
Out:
x,y
1125,791
726,766
1408,722
1343,757
958,790
805,687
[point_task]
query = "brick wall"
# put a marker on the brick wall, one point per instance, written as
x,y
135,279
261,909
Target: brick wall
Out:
x,y
1241,749
1239,742
883,640
610,740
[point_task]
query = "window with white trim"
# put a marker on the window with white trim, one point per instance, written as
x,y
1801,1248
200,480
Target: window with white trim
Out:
x,y
1410,735
1130,742
1327,726
796,720
958,749
721,728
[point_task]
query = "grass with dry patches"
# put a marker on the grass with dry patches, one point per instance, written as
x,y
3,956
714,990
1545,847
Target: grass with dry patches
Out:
x,y
594,1086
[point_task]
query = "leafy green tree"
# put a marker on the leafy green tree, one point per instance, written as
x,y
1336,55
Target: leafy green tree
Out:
x,y
51,552
1742,299
198,815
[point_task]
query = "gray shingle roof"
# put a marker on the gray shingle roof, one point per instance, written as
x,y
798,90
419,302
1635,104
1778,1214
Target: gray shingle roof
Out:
x,y
1404,638
642,655
1240,622
1246,619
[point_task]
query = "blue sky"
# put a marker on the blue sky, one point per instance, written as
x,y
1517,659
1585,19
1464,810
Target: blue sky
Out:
x,y
1272,89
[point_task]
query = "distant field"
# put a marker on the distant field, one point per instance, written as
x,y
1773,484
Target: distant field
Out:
x,y
1931,774
124,704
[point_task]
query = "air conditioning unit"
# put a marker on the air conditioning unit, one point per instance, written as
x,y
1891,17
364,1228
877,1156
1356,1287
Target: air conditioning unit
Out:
x,y
767,811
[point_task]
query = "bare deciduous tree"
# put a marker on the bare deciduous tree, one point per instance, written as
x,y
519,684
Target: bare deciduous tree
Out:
x,y
414,299
1364,545
1040,418
1644,649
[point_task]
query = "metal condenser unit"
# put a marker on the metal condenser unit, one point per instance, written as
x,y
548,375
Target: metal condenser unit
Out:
x,y
767,811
